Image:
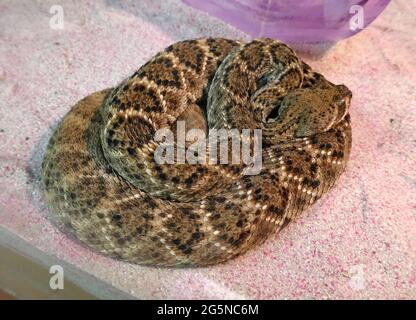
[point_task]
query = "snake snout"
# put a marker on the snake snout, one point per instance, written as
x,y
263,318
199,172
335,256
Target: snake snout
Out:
x,y
344,94
343,99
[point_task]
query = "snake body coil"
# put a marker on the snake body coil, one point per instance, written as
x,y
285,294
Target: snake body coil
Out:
x,y
102,180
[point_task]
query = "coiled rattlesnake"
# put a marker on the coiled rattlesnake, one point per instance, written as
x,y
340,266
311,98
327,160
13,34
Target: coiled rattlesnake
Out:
x,y
102,180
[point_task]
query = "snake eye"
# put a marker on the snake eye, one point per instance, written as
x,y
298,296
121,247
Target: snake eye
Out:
x,y
344,102
341,103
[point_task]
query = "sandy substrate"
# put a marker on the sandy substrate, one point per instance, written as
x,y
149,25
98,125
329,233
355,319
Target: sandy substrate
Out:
x,y
359,241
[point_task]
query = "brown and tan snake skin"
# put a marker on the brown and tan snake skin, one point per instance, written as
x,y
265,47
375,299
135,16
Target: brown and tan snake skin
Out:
x,y
101,179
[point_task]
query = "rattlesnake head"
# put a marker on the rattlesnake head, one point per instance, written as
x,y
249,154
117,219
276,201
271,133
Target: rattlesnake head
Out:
x,y
101,177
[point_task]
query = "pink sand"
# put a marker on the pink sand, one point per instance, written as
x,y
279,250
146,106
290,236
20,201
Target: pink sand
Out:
x,y
359,241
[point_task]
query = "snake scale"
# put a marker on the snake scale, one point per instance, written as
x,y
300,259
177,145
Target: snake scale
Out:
x,y
101,178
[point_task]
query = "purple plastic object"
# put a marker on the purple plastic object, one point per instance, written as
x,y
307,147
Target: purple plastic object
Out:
x,y
295,21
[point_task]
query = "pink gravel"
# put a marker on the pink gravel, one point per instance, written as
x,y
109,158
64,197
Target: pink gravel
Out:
x,y
359,241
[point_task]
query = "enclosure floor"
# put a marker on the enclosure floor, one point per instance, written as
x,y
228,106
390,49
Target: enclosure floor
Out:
x,y
359,241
